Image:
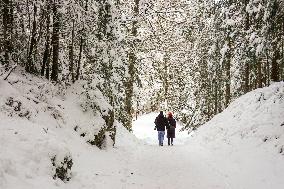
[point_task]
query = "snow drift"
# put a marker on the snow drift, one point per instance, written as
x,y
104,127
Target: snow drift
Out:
x,y
45,134
253,120
247,139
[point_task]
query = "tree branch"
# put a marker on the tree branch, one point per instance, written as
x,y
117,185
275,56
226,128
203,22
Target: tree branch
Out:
x,y
8,73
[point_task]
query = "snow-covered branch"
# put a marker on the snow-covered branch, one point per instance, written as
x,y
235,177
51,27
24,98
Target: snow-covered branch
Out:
x,y
6,74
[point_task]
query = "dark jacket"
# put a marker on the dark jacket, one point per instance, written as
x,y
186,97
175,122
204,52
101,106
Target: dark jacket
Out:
x,y
171,129
161,122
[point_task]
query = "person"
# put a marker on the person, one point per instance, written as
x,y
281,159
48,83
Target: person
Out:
x,y
160,124
171,128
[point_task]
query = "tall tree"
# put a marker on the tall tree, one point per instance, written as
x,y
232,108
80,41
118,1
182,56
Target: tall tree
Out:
x,y
276,20
55,41
7,15
46,55
132,61
71,53
82,41
30,67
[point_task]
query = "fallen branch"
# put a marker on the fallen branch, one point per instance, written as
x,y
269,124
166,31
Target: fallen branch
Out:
x,y
8,73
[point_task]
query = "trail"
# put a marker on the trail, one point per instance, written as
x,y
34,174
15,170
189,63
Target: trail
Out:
x,y
174,167
215,160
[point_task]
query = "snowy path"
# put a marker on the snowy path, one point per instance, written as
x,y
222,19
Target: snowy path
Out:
x,y
192,165
172,167
179,166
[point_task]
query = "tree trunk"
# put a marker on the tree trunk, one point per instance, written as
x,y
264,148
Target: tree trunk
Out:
x,y
282,55
29,22
166,82
30,67
275,65
264,74
129,89
228,74
247,67
47,43
71,54
47,75
81,47
7,31
79,60
267,68
39,35
131,69
247,71
55,42
275,41
259,74
215,95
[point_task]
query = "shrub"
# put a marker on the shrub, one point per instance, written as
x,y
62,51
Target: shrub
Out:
x,y
62,168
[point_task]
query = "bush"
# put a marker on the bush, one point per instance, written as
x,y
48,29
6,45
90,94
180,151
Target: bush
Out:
x,y
15,107
62,168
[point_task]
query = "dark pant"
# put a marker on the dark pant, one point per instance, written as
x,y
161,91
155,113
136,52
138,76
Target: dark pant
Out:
x,y
170,140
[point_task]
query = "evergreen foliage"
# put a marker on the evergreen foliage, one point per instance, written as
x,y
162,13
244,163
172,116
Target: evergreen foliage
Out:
x,y
190,57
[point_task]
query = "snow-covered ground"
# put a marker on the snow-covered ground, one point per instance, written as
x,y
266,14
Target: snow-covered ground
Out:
x,y
241,148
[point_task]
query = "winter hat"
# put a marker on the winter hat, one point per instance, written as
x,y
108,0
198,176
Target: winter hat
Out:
x,y
170,114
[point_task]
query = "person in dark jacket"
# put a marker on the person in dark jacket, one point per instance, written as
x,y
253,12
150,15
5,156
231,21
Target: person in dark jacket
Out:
x,y
160,124
171,128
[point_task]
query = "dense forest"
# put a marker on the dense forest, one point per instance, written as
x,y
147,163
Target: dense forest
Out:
x,y
191,57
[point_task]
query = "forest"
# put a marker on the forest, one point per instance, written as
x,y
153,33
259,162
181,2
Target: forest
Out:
x,y
141,94
192,57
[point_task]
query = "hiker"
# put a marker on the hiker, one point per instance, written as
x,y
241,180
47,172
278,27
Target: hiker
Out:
x,y
160,124
171,128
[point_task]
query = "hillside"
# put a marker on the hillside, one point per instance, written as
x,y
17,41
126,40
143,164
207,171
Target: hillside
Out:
x,y
253,120
247,139
45,127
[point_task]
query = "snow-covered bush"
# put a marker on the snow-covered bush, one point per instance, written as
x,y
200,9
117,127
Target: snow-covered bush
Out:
x,y
92,99
98,133
99,138
94,102
62,167
45,91
14,106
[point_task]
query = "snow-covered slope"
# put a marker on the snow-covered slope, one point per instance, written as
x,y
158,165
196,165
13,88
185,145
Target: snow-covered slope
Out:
x,y
37,121
247,139
253,120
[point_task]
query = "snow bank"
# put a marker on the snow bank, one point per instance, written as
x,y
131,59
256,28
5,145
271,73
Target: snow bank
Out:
x,y
247,139
255,119
38,137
